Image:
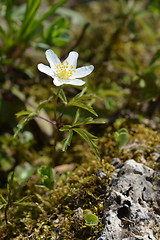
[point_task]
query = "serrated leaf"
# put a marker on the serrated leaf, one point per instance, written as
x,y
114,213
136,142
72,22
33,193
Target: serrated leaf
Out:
x,y
22,113
67,141
89,120
82,104
88,138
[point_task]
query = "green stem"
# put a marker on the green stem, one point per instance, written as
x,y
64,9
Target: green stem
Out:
x,y
56,137
55,102
56,133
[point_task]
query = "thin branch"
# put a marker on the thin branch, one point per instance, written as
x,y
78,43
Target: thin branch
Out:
x,y
77,43
47,120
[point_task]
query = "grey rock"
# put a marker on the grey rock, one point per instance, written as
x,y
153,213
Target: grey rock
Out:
x,y
129,213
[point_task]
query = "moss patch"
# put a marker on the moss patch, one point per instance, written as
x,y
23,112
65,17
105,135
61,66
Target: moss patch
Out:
x,y
56,213
143,145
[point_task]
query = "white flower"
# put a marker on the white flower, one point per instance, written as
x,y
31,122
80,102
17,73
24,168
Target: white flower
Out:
x,y
65,72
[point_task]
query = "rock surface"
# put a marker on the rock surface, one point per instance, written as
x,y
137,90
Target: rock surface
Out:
x,y
132,211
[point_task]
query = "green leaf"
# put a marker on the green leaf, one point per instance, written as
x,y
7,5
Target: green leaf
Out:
x,y
61,41
2,205
91,219
36,23
22,184
89,120
65,128
88,138
57,33
23,122
2,199
62,96
81,100
67,141
110,104
122,137
76,117
155,57
41,104
9,185
81,93
31,9
22,199
81,103
47,175
23,113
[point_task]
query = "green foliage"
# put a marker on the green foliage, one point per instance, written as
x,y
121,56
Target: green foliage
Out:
x,y
20,36
57,33
11,196
23,122
67,141
82,100
122,137
89,139
47,176
23,172
91,219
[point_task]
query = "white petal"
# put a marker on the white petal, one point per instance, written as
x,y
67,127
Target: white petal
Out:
x,y
72,59
52,58
82,72
45,69
76,82
57,82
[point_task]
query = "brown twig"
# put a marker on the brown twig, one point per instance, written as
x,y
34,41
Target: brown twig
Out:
x,y
77,43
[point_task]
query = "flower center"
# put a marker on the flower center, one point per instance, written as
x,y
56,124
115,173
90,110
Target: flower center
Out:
x,y
63,71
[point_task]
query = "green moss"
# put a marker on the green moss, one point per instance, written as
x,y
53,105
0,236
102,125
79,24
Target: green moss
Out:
x,y
143,145
57,210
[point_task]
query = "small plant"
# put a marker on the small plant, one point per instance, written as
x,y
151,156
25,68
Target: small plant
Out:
x,y
122,137
65,73
47,176
90,218
10,201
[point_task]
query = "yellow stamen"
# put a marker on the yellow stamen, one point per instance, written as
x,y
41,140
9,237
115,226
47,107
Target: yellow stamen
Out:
x,y
63,71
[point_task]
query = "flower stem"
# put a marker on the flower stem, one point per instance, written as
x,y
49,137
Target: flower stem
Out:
x,y
61,115
47,120
56,137
55,102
